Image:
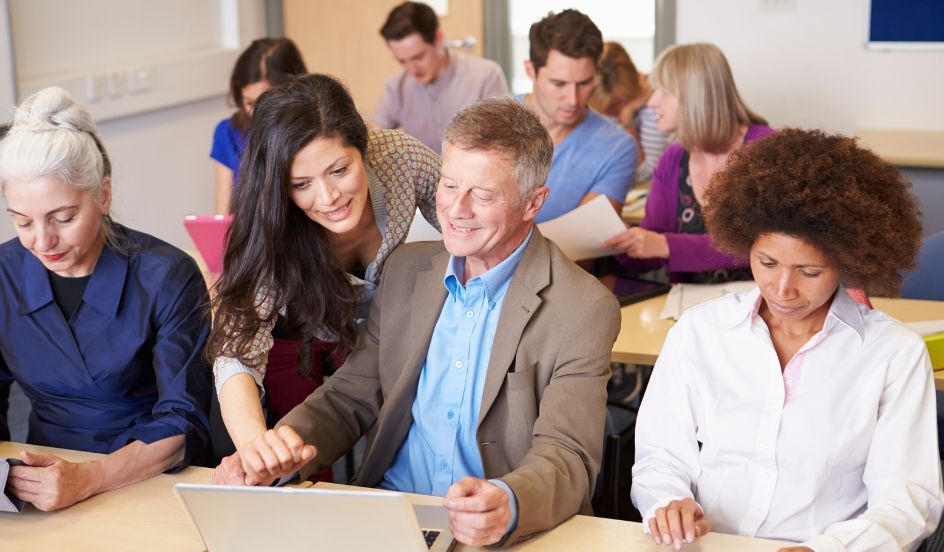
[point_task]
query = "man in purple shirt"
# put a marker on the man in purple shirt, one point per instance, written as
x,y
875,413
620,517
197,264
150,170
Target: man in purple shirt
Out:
x,y
435,83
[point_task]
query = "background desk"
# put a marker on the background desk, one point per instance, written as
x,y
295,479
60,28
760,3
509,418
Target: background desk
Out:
x,y
636,215
642,333
905,148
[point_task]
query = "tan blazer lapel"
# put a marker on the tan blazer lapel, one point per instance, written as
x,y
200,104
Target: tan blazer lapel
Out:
x,y
425,304
396,417
521,301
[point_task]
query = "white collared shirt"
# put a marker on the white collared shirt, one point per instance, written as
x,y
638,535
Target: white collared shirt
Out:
x,y
839,450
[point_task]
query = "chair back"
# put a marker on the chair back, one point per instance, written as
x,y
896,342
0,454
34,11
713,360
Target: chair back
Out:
x,y
927,281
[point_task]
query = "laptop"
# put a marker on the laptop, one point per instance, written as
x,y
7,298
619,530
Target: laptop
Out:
x,y
237,519
208,233
632,290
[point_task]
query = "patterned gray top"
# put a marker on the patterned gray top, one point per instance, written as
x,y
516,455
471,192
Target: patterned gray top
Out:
x,y
402,175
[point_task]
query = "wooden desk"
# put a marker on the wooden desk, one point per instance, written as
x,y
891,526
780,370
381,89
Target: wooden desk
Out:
x,y
147,516
142,517
591,533
642,333
906,148
636,215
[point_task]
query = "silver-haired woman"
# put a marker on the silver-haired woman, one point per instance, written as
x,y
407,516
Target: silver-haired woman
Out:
x,y
101,326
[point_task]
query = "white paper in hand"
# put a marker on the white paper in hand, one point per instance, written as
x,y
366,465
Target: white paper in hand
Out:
x,y
581,232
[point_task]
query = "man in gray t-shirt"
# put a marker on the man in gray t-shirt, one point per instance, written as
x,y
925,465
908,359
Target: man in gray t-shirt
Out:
x,y
435,83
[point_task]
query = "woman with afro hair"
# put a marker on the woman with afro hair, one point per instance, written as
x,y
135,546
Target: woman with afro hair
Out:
x,y
791,411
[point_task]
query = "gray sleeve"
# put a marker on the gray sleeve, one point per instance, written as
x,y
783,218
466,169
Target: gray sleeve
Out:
x,y
387,114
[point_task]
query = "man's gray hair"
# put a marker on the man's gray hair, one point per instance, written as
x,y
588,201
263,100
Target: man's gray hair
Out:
x,y
506,126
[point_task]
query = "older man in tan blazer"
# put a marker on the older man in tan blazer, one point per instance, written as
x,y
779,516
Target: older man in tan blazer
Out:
x,y
524,435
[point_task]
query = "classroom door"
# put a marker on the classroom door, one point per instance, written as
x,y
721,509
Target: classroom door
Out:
x,y
343,39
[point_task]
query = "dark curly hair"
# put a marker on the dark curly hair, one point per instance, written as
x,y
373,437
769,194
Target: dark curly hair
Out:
x,y
827,191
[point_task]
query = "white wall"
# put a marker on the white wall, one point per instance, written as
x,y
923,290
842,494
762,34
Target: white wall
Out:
x,y
806,65
162,168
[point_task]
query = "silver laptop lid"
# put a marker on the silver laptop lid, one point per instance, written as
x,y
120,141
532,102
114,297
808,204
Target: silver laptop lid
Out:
x,y
237,519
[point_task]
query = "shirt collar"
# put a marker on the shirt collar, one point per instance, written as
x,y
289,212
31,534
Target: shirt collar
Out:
x,y
108,282
36,289
495,280
447,74
843,310
102,293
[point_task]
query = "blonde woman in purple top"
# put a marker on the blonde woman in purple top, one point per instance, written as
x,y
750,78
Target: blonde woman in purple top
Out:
x,y
695,97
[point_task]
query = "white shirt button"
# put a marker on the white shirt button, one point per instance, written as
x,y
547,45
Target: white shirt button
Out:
x,y
469,314
459,364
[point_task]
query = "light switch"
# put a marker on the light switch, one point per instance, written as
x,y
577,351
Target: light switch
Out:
x,y
116,83
94,88
140,80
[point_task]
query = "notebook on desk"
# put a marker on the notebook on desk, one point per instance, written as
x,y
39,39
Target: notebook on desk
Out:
x,y
237,519
208,233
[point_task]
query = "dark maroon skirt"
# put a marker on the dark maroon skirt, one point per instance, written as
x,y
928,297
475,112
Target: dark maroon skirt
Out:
x,y
285,389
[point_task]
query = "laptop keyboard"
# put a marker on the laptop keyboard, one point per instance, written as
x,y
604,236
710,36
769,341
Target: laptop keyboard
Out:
x,y
430,537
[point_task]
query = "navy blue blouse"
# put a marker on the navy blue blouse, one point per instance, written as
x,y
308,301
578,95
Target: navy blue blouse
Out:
x,y
127,365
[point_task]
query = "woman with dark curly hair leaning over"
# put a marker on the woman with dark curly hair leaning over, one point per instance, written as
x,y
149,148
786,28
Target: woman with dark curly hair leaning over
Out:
x,y
792,412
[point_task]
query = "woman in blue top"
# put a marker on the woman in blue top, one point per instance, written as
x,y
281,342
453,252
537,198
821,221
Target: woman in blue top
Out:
x,y
103,327
266,63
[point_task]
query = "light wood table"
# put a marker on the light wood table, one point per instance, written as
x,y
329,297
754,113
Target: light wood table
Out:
x,y
147,516
906,148
141,517
642,333
591,533
636,215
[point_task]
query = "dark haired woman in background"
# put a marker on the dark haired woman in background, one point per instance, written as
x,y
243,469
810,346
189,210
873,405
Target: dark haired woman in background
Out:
x,y
321,204
266,63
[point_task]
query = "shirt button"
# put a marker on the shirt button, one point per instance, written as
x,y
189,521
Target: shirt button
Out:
x,y
450,414
469,314
459,364
443,465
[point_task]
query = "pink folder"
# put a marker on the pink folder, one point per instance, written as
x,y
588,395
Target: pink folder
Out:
x,y
208,233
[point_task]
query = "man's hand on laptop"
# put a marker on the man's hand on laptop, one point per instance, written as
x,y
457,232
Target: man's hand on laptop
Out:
x,y
275,453
479,511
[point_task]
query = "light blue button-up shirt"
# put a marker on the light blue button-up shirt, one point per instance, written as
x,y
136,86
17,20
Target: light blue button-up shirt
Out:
x,y
441,447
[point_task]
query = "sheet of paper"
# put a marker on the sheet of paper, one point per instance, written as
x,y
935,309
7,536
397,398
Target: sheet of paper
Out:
x,y
686,296
421,230
580,233
928,327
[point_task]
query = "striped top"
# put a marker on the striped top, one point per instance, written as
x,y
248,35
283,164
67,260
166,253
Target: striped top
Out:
x,y
402,175
652,140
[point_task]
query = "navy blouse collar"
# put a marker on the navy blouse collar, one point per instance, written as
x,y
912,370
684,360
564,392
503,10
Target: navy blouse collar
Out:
x,y
104,288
